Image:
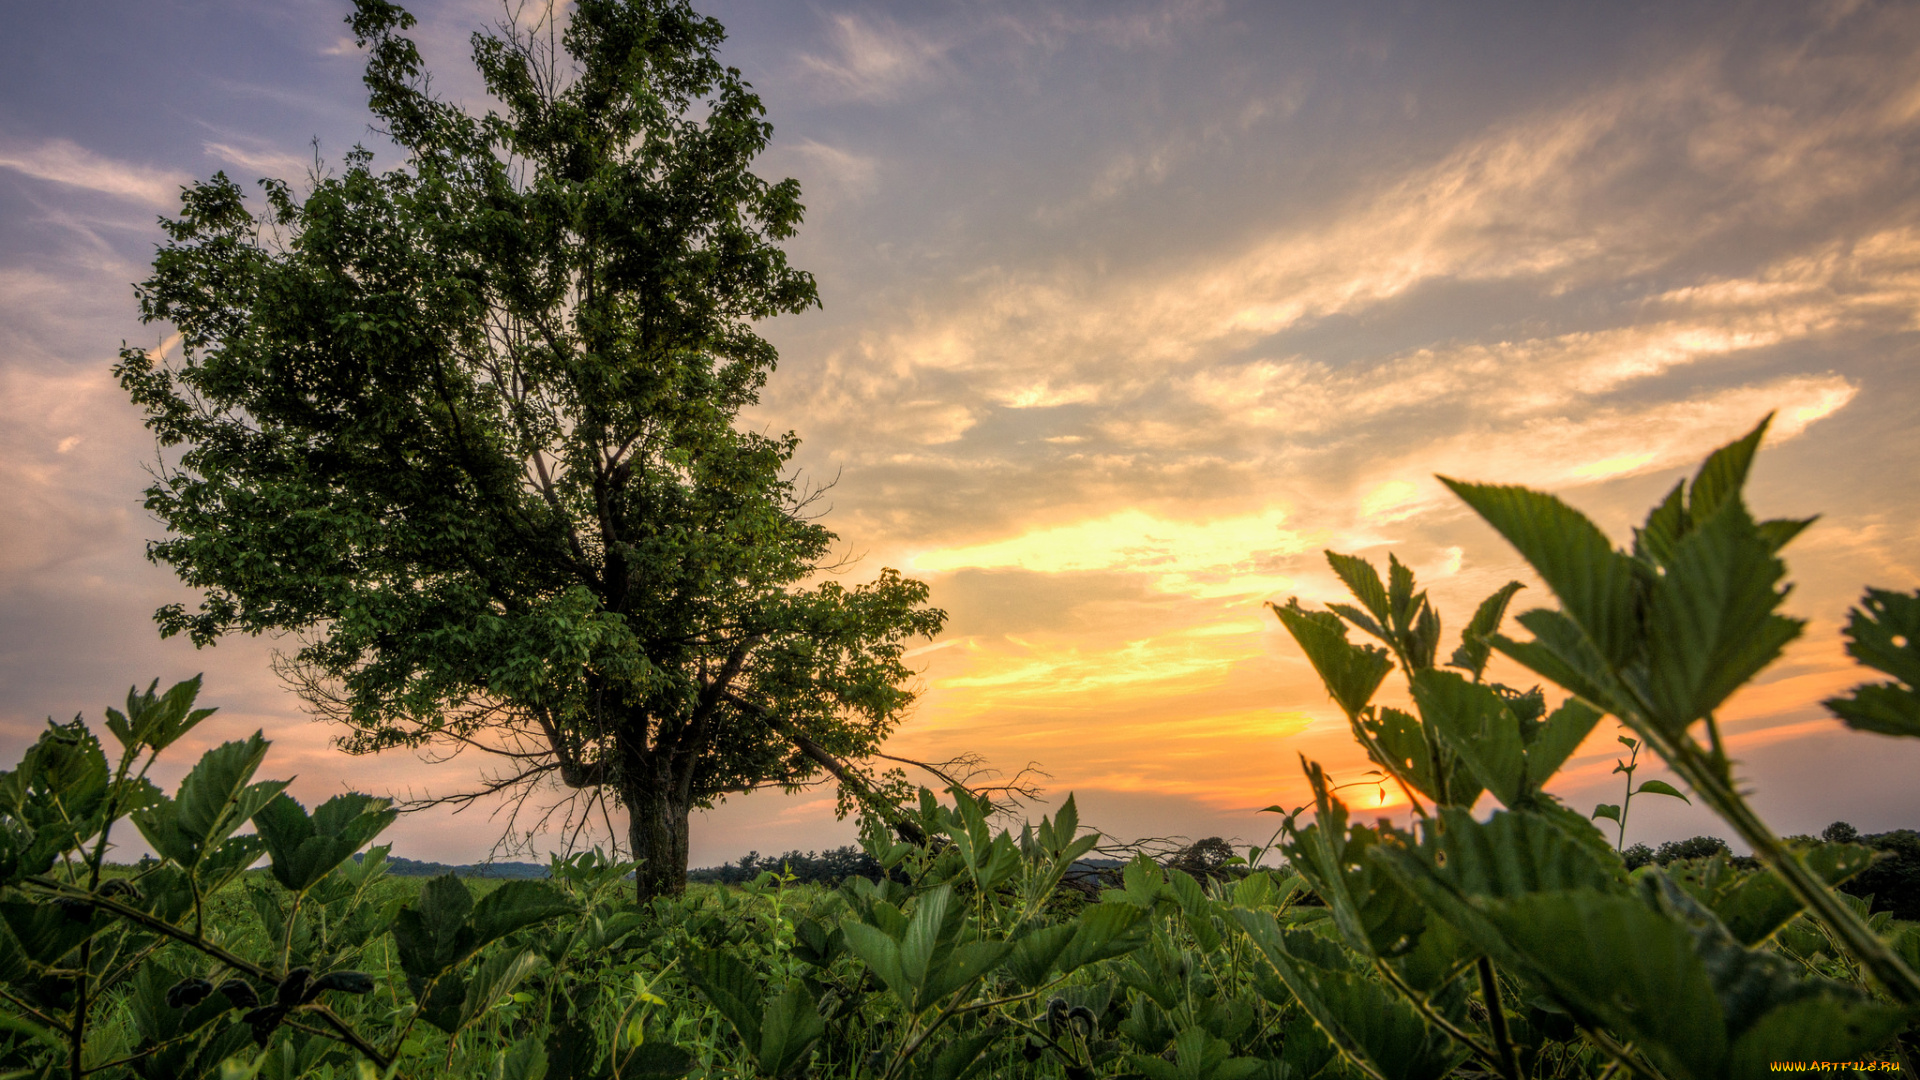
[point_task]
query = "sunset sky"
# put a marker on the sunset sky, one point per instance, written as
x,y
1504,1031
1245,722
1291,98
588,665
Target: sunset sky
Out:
x,y
1130,310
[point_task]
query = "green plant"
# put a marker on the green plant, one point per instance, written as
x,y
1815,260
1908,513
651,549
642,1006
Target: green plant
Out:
x,y
109,973
1662,974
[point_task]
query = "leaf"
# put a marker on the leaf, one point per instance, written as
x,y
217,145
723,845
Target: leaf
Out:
x,y
1593,582
789,1027
1474,648
1882,708
956,1060
514,906
733,989
428,934
1102,932
1350,672
1724,474
1560,653
1710,622
1883,632
1363,581
1031,958
1609,811
494,979
1476,725
303,849
1754,904
524,1060
157,721
1661,787
655,1061
215,799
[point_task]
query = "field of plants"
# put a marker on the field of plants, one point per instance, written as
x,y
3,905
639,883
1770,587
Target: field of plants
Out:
x,y
1512,944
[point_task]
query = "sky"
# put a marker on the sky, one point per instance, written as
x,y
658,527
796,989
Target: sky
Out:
x,y
1130,311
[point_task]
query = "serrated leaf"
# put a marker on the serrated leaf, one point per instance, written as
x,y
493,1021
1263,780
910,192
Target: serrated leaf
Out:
x,y
789,1027
1557,737
1474,649
1476,725
1560,653
1350,672
1882,708
1102,932
1363,581
1030,960
1710,622
215,799
303,849
1594,583
514,906
733,989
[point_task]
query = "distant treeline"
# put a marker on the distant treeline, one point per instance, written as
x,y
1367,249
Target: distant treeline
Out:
x,y
399,867
809,867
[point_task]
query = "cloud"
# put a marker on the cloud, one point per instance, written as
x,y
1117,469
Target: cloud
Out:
x,y
64,162
872,59
836,168
262,161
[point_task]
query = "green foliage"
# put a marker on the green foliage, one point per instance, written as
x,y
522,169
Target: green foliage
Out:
x,y
1884,634
1692,966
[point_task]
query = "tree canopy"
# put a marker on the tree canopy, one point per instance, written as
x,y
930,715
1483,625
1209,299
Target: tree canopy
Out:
x,y
467,427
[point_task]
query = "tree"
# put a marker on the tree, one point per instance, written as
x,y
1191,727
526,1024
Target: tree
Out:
x,y
466,429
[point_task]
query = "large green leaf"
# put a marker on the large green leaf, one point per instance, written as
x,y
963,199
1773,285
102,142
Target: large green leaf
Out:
x,y
1030,959
216,798
1883,632
514,906
777,1031
1557,737
1710,621
1104,931
1351,672
1594,583
1476,725
306,849
1198,1055
733,988
1375,914
1752,904
1560,653
1363,581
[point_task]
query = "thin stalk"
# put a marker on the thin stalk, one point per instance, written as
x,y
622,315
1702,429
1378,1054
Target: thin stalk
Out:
x,y
1424,1008
33,1012
1623,1056
1497,1020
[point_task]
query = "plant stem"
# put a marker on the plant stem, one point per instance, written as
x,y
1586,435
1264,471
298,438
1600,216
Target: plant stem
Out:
x,y
1497,1020
1623,1056
1882,962
1424,1008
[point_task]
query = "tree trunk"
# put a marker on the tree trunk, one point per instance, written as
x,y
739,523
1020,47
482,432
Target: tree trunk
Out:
x,y
657,830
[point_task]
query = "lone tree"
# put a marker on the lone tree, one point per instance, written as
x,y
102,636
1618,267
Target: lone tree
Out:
x,y
466,428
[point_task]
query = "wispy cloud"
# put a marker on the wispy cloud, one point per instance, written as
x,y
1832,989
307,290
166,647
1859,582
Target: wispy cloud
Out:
x,y
872,58
64,162
260,160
